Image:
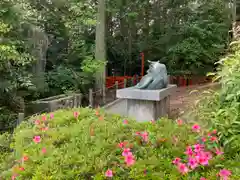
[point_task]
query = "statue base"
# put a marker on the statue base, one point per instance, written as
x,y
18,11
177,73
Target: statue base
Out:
x,y
142,105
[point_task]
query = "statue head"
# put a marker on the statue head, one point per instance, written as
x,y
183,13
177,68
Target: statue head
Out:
x,y
156,67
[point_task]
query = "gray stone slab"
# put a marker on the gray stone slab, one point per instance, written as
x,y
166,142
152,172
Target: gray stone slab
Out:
x,y
149,95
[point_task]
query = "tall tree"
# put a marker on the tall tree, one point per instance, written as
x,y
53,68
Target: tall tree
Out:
x,y
100,49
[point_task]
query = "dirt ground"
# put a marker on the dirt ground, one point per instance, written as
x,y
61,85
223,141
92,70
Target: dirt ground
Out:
x,y
184,97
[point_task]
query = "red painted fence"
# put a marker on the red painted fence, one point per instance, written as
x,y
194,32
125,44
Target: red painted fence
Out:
x,y
179,80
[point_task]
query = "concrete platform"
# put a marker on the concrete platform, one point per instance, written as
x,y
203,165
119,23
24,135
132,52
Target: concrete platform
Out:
x,y
142,105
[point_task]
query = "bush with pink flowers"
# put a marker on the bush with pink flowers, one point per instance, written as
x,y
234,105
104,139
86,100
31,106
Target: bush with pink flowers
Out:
x,y
88,144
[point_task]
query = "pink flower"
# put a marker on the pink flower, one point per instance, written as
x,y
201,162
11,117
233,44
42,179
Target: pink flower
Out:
x,y
21,169
180,122
137,133
44,118
214,131
51,116
25,158
214,139
189,151
44,150
75,114
37,139
37,122
204,139
182,168
126,152
196,128
121,144
192,162
203,158
144,135
203,178
176,160
197,148
14,176
224,173
129,160
44,128
125,121
109,173
219,152
152,122
208,155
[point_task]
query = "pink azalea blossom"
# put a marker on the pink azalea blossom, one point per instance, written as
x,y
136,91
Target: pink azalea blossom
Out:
x,y
152,122
214,131
126,152
37,139
208,155
203,158
21,169
192,162
76,114
44,118
183,169
176,160
14,176
51,116
203,178
125,121
44,128
109,173
44,150
196,128
121,144
25,158
198,148
224,174
137,133
189,151
214,139
144,135
204,139
180,122
219,152
129,160
37,122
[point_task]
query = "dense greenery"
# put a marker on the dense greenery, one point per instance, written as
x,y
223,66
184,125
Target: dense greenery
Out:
x,y
84,144
47,46
221,109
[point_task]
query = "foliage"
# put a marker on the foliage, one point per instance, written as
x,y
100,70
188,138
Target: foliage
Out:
x,y
14,63
221,108
84,144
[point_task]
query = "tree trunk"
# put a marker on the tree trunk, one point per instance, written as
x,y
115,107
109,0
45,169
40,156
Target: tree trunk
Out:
x,y
100,50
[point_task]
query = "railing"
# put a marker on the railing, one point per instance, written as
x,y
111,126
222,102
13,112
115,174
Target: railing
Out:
x,y
108,94
94,99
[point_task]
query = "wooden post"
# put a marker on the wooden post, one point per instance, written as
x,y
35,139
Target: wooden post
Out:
x,y
142,58
116,85
75,101
132,81
125,83
90,97
20,118
137,79
104,94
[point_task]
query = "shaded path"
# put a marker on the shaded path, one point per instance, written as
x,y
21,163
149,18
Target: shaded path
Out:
x,y
182,98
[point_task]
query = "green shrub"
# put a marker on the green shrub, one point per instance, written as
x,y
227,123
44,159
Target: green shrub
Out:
x,y
84,144
221,109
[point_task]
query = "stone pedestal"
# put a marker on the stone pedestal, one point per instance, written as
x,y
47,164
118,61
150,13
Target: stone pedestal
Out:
x,y
142,105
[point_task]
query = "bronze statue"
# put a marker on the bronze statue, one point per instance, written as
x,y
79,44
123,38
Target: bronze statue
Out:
x,y
156,77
